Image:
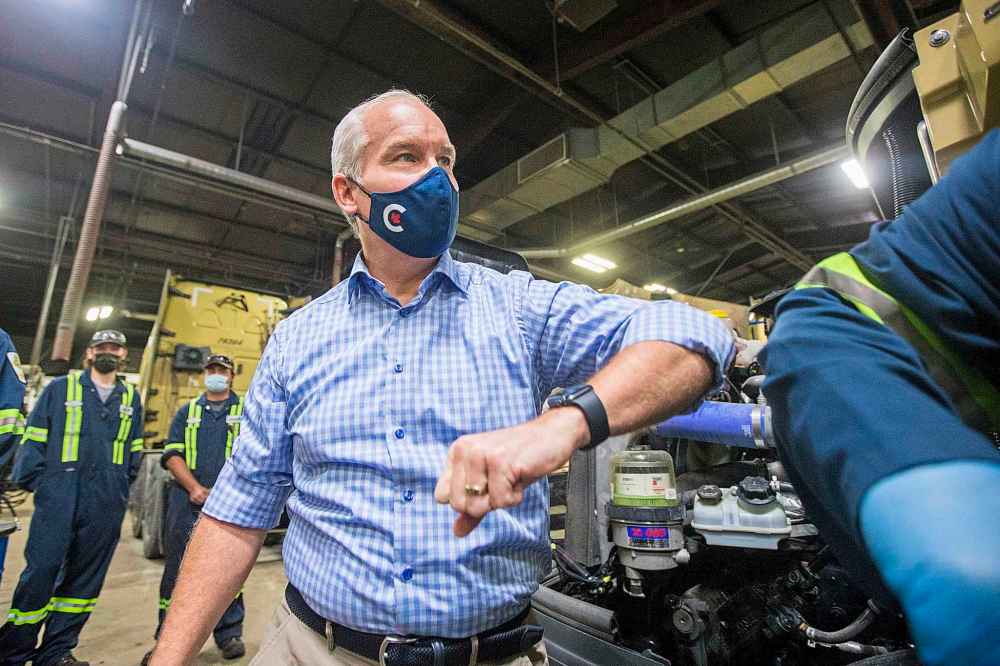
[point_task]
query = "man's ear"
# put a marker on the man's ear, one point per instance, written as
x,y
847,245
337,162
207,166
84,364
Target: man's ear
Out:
x,y
343,193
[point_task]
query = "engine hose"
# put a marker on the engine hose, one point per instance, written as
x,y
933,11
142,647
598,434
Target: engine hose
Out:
x,y
732,424
862,622
575,612
853,647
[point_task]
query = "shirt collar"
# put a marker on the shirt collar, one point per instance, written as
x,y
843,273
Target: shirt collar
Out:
x,y
446,267
88,382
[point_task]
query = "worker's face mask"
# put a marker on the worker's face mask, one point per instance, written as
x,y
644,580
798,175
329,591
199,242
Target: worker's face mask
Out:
x,y
419,220
105,363
216,383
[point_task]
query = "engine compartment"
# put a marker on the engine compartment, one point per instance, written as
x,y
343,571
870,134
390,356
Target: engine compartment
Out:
x,y
732,573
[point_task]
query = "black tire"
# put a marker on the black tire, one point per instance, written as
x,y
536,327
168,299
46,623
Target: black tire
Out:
x,y
154,508
135,498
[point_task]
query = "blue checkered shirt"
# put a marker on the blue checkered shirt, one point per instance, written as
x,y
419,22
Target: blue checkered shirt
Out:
x,y
354,405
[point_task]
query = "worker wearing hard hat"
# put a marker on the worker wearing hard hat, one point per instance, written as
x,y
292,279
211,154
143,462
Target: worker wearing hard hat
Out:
x,y
200,442
884,365
80,450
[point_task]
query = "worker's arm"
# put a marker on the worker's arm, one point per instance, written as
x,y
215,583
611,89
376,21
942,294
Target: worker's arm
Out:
x,y
135,438
30,461
655,360
12,384
246,501
183,476
174,461
208,583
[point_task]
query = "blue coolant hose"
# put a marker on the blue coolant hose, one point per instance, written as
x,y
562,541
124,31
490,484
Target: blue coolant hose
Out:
x,y
729,423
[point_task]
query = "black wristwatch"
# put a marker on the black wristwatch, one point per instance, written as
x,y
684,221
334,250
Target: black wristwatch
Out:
x,y
583,397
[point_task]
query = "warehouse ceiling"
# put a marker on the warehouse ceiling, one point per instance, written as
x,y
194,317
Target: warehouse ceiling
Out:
x,y
713,91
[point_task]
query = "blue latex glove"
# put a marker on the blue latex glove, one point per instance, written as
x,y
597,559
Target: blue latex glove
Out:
x,y
934,533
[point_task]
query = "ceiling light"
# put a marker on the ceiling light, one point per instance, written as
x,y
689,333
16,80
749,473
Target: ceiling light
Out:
x,y
600,261
594,263
93,314
855,173
654,287
671,291
105,312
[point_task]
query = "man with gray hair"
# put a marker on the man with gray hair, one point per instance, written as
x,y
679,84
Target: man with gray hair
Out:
x,y
414,385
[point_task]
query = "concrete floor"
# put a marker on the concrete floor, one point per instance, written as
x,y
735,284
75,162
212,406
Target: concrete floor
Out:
x,y
120,630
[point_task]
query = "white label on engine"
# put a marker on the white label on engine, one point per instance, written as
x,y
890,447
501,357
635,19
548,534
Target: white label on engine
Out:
x,y
644,486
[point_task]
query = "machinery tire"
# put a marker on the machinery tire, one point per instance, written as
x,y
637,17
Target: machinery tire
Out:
x,y
135,498
154,510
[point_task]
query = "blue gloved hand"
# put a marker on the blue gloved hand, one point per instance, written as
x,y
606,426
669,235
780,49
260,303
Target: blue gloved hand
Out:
x,y
934,533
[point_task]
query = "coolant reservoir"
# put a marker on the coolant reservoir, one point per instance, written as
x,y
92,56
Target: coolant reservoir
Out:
x,y
642,477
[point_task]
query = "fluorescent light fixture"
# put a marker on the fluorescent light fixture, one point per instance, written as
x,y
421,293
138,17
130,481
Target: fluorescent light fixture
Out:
x,y
855,173
671,291
93,314
105,312
654,287
594,263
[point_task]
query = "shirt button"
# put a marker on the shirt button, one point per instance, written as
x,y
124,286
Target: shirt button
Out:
x,y
399,433
406,575
398,367
404,313
408,495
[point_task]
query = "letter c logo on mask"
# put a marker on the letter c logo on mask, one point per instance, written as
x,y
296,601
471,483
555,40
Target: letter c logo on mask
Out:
x,y
392,217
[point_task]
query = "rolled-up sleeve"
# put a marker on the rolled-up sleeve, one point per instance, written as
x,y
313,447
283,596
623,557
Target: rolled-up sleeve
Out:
x,y
256,481
572,331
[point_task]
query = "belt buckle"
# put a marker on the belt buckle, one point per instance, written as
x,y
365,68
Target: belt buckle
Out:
x,y
387,641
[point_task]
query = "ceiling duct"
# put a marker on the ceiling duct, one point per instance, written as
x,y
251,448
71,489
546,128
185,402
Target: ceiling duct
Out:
x,y
797,47
581,14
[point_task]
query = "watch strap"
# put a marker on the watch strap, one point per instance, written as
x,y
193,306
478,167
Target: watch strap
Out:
x,y
585,399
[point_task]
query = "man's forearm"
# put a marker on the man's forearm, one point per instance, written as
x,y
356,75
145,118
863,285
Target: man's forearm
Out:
x,y
217,562
182,475
648,382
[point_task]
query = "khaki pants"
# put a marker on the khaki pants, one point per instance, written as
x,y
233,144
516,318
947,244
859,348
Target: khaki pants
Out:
x,y
288,642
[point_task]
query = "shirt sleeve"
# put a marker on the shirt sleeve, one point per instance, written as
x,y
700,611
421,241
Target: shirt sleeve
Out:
x,y
852,404
174,445
572,331
135,437
257,479
30,461
11,398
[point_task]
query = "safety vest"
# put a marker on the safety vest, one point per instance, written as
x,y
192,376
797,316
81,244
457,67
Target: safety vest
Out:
x,y
975,399
74,422
195,412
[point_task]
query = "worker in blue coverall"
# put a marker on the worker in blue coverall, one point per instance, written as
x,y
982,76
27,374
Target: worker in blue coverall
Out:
x,y
882,375
200,442
78,455
12,383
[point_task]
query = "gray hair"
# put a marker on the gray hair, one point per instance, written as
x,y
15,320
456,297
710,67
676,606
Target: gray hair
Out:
x,y
350,140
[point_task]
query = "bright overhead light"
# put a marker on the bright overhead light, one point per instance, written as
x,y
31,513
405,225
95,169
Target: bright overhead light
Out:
x,y
594,263
99,312
671,291
654,287
855,173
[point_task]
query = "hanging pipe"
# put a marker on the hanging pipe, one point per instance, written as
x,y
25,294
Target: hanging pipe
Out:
x,y
87,244
338,254
728,423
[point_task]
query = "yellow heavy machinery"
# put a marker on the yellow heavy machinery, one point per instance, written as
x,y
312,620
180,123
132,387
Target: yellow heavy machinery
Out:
x,y
194,319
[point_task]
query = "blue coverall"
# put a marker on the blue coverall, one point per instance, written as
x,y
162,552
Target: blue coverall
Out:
x,y
81,487
12,383
204,439
853,403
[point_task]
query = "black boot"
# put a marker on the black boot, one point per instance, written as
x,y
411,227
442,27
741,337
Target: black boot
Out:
x,y
69,660
233,648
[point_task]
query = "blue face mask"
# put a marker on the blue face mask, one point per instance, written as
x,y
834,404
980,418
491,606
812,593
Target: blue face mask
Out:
x,y
420,220
216,383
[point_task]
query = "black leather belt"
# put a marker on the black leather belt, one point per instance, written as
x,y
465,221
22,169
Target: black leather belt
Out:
x,y
503,642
